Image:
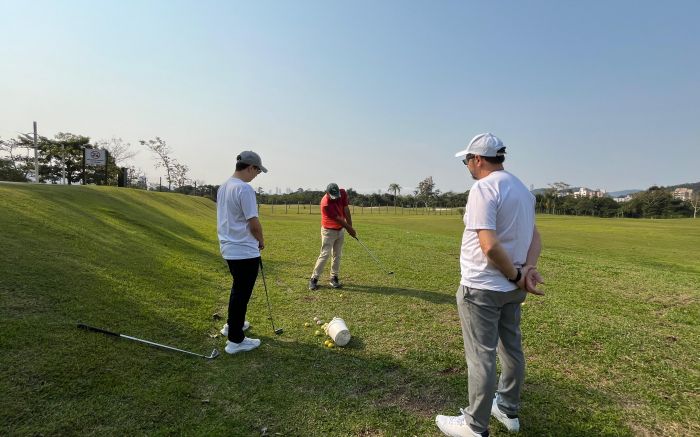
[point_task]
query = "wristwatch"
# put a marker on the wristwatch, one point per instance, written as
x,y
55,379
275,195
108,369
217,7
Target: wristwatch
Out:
x,y
517,277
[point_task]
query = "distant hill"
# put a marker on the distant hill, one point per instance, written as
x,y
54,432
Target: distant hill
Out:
x,y
544,190
695,186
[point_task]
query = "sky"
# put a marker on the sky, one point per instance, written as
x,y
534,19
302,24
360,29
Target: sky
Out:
x,y
602,94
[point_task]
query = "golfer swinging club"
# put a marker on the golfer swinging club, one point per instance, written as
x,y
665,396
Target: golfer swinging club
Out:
x,y
335,216
240,240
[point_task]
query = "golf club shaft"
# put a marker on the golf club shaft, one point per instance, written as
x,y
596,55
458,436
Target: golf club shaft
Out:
x,y
162,345
371,254
267,298
115,334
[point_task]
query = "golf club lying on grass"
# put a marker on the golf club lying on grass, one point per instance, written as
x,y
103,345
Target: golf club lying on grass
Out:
x,y
388,272
214,353
278,331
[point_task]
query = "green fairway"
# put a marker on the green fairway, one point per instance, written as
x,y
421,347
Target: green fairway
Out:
x,y
613,348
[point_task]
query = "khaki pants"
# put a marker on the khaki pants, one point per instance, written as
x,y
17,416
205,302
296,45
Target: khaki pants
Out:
x,y
491,322
331,246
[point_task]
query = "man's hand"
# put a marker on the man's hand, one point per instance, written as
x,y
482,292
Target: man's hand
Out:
x,y
261,244
352,232
531,277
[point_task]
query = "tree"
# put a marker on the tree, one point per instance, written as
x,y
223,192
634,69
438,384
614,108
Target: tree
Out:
x,y
560,187
655,201
396,189
570,205
8,172
180,174
63,153
605,206
136,178
16,165
118,149
695,203
426,191
584,206
159,148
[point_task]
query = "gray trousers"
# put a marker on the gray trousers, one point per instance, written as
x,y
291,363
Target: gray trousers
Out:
x,y
491,322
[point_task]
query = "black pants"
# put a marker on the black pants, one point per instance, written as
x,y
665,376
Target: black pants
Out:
x,y
244,273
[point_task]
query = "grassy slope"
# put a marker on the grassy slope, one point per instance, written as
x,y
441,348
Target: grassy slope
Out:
x,y
613,348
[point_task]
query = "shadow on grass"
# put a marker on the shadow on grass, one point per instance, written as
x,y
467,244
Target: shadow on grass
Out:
x,y
337,392
430,296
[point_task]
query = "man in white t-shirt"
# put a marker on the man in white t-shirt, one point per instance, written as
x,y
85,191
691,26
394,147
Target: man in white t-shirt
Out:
x,y
240,241
500,248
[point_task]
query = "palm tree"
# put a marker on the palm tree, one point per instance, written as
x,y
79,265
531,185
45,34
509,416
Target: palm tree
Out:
x,y
396,189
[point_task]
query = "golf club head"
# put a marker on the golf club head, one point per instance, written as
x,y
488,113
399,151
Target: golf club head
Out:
x,y
214,354
390,273
279,331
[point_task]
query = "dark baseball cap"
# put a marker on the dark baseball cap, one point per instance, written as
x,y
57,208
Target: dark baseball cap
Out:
x,y
251,158
333,190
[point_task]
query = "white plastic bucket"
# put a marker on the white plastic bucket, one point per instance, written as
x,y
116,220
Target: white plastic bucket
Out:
x,y
338,331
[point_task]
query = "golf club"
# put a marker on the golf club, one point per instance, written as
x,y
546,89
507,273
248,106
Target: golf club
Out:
x,y
214,353
278,331
388,272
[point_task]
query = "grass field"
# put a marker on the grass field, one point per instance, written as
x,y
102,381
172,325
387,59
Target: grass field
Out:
x,y
613,348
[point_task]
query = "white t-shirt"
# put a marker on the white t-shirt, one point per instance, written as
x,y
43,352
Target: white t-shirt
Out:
x,y
502,203
235,205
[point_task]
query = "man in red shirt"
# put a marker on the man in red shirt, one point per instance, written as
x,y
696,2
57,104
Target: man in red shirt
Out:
x,y
335,216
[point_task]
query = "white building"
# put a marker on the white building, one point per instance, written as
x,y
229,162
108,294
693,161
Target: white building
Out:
x,y
683,193
622,199
587,192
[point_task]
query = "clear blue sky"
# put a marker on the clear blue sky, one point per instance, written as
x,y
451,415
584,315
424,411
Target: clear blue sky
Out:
x,y
604,94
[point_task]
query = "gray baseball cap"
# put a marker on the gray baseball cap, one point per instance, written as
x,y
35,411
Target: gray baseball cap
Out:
x,y
251,158
333,190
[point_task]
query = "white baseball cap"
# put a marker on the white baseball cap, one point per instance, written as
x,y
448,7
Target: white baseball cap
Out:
x,y
486,144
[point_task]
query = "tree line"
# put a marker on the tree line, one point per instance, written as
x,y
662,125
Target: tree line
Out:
x,y
656,202
61,159
425,195
63,155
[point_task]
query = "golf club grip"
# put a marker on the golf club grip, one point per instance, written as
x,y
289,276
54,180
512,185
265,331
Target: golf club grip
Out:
x,y
93,329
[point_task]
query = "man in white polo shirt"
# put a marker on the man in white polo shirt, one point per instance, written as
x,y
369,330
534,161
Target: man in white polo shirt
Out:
x,y
500,248
240,241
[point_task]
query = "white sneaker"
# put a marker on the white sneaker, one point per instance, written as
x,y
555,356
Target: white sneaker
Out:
x,y
456,426
248,344
512,424
224,330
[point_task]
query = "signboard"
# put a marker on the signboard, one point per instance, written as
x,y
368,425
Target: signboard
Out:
x,y
95,156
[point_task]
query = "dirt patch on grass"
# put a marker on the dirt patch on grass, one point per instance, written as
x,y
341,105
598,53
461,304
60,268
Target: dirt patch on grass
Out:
x,y
424,404
370,432
452,371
